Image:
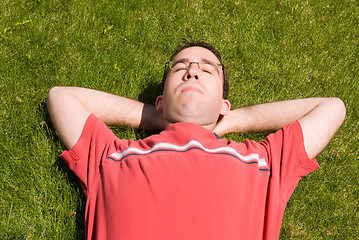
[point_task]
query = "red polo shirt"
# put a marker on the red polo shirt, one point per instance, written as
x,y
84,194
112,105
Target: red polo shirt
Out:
x,y
184,183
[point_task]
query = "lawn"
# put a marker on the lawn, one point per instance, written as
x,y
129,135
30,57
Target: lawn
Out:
x,y
273,50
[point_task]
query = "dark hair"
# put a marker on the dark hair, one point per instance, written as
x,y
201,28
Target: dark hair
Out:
x,y
186,44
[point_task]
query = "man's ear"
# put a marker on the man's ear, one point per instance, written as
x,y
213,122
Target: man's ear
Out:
x,y
225,108
159,103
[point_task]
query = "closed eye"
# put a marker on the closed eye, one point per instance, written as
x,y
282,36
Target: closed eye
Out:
x,y
179,66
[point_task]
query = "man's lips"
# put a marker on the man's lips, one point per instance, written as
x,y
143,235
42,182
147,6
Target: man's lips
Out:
x,y
191,88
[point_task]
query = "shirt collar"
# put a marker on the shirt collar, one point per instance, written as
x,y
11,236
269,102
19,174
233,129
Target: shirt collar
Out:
x,y
184,132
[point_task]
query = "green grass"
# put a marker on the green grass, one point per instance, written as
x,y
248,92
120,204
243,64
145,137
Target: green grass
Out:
x,y
274,50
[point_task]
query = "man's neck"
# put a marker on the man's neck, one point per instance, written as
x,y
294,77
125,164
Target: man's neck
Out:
x,y
209,126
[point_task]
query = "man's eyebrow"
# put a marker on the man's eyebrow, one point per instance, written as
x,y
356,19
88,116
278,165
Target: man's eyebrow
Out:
x,y
204,60
182,60
208,61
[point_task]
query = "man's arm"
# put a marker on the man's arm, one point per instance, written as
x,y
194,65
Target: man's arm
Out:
x,y
69,108
320,118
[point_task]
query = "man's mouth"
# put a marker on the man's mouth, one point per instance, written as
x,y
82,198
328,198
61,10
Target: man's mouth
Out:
x,y
191,88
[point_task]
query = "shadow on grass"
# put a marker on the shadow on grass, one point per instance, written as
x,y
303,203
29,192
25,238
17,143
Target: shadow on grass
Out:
x,y
149,95
61,166
80,209
150,92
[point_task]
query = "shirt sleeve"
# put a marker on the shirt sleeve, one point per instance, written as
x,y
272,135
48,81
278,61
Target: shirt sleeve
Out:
x,y
287,159
85,158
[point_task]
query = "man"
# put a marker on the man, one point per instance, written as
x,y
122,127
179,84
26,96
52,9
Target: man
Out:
x,y
186,182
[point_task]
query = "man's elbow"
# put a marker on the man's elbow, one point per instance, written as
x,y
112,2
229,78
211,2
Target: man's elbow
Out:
x,y
53,92
55,95
51,96
338,106
55,99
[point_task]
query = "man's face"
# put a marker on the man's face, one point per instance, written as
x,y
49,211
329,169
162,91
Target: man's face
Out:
x,y
193,94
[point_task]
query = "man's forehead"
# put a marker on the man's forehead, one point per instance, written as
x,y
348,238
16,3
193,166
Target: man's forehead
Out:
x,y
196,53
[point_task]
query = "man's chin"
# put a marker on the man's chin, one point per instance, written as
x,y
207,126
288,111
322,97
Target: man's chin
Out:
x,y
195,118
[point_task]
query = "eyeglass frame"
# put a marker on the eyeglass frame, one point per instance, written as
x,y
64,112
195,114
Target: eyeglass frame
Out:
x,y
168,65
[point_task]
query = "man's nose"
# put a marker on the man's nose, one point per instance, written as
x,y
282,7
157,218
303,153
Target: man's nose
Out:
x,y
192,71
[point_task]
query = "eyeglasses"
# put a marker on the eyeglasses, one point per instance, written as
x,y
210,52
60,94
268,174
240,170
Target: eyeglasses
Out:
x,y
184,65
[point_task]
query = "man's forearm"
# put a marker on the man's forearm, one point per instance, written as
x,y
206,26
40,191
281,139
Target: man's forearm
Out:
x,y
113,109
319,118
69,108
267,116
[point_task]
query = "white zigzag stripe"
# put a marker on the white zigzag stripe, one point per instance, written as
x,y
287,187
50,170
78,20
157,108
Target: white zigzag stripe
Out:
x,y
192,143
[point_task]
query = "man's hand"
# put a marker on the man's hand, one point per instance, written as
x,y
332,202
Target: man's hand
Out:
x,y
69,108
320,118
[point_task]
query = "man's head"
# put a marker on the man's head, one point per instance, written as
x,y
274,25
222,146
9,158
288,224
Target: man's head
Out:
x,y
208,46
193,87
